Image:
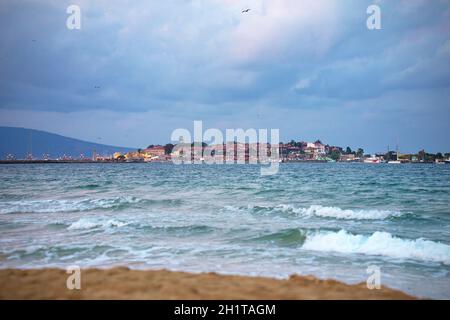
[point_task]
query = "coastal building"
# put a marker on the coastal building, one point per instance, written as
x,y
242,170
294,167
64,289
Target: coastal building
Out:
x,y
293,151
348,157
134,156
314,150
286,149
319,148
154,151
197,152
182,152
310,151
330,149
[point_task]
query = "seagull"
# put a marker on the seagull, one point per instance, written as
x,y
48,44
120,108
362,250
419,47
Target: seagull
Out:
x,y
245,11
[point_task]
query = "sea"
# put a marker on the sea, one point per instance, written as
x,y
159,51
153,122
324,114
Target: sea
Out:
x,y
331,220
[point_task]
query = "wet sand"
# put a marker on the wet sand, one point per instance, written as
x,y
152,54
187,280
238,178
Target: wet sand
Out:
x,y
123,283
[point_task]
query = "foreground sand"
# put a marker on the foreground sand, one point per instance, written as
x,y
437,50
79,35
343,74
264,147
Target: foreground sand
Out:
x,y
123,283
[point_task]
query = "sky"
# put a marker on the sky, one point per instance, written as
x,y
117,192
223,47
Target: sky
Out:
x,y
137,70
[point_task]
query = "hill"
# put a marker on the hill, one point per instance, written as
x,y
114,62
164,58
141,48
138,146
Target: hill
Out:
x,y
20,141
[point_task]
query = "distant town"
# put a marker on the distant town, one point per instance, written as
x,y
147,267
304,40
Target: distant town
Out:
x,y
293,151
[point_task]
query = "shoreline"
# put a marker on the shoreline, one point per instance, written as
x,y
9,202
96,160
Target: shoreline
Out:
x,y
170,162
125,283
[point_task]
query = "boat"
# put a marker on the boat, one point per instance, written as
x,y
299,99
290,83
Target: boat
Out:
x,y
372,159
397,155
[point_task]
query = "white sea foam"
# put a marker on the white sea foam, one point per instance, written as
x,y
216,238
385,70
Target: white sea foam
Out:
x,y
73,205
234,208
338,213
90,224
379,243
322,211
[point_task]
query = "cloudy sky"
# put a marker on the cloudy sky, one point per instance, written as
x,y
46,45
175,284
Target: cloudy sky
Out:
x,y
308,67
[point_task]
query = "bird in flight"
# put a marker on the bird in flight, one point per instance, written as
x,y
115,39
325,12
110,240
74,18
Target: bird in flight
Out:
x,y
96,87
245,11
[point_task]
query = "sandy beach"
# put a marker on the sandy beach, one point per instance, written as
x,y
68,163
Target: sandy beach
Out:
x,y
123,283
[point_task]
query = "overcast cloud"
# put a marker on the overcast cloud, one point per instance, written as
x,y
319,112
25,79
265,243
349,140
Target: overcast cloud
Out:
x,y
310,68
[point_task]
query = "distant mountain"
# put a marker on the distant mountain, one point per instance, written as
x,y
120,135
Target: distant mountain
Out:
x,y
20,141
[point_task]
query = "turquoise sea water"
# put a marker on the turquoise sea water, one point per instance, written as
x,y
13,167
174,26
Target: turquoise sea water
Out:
x,y
329,220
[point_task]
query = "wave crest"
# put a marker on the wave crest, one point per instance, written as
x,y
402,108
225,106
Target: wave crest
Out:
x,y
379,243
77,205
348,214
91,224
320,211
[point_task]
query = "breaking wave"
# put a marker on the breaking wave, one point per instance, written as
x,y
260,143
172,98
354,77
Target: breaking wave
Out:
x,y
321,211
379,243
338,213
76,205
91,224
113,224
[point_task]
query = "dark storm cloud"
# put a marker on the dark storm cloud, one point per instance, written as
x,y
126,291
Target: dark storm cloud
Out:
x,y
206,60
